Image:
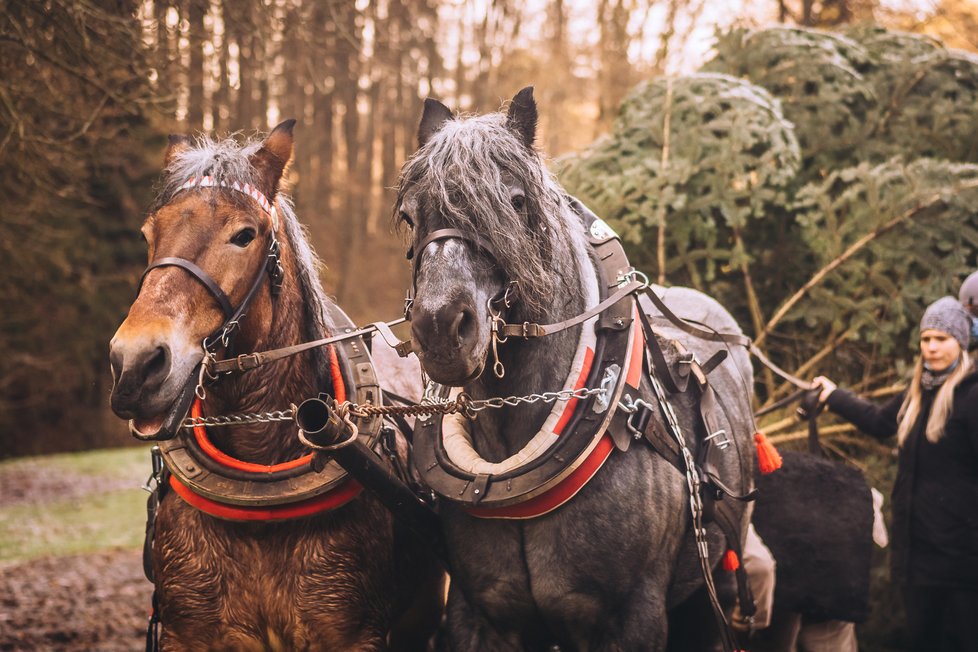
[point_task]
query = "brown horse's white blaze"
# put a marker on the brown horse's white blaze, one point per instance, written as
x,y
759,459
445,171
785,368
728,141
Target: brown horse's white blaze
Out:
x,y
159,344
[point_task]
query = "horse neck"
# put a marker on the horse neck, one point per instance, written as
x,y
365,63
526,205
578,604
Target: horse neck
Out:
x,y
274,323
533,365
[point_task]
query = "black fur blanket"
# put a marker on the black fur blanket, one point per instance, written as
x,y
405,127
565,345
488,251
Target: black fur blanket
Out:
x,y
816,516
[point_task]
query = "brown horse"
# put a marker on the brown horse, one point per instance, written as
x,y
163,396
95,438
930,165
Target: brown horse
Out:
x,y
241,577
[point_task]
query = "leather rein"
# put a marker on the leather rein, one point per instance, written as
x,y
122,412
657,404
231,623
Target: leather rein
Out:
x,y
628,284
631,283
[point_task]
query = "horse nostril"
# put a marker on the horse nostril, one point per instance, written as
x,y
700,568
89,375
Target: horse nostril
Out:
x,y
159,364
464,326
115,363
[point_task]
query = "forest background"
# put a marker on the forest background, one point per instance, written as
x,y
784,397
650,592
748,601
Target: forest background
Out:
x,y
89,90
813,165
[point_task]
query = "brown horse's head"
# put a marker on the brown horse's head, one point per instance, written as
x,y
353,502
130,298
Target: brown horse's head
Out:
x,y
220,228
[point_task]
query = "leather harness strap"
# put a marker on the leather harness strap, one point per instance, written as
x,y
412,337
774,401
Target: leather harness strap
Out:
x,y
254,492
527,330
447,234
196,272
249,361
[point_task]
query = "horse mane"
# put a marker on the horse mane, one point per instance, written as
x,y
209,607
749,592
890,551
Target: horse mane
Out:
x,y
228,161
459,175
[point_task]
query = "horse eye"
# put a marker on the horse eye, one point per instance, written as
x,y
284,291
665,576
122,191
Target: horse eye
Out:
x,y
518,202
243,237
404,217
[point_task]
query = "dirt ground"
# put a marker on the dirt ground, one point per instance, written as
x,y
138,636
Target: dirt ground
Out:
x,y
96,601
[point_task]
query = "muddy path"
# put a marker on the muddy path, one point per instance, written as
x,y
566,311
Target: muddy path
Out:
x,y
96,601
64,584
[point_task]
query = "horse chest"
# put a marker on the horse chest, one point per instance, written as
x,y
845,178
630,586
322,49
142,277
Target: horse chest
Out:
x,y
578,563
283,586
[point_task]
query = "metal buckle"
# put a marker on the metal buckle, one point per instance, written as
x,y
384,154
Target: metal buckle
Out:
x,y
273,265
608,384
408,304
154,480
242,361
633,274
721,444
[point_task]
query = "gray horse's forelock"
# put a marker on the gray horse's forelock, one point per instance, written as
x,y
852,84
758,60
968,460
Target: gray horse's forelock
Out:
x,y
228,161
459,175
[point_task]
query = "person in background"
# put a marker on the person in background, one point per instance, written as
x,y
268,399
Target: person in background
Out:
x,y
934,535
968,296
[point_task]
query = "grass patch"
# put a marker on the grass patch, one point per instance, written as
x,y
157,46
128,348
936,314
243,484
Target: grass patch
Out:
x,y
72,503
115,463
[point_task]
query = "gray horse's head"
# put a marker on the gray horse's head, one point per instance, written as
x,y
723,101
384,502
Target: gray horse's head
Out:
x,y
481,177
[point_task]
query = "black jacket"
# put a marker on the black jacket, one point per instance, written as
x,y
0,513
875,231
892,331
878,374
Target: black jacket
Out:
x,y
935,497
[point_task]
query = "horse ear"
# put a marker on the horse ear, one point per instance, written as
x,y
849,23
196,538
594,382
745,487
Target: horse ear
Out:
x,y
271,160
522,116
434,118
177,145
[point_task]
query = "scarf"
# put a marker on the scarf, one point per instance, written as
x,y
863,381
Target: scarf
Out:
x,y
933,379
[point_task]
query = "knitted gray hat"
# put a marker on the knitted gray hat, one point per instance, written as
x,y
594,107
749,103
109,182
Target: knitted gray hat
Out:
x,y
948,316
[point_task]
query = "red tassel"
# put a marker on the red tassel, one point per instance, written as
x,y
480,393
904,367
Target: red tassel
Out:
x,y
730,561
768,458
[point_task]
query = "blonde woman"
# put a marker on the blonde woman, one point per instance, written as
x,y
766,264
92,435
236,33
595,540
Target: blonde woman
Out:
x,y
935,497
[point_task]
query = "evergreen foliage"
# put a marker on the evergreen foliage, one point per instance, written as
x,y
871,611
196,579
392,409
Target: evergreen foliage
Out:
x,y
728,159
819,79
826,205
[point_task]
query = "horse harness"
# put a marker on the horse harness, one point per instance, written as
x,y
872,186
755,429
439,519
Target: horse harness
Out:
x,y
603,413
610,415
186,462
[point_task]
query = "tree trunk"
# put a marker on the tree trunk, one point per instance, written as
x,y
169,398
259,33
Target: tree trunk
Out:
x,y
195,74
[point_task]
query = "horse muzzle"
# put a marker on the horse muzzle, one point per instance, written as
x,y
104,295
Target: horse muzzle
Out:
x,y
151,384
450,342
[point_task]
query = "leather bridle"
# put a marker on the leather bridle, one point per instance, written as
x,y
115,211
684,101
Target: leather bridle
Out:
x,y
223,337
417,252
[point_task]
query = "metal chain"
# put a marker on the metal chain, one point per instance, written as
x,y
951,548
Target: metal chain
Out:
x,y
545,397
695,504
462,403
241,419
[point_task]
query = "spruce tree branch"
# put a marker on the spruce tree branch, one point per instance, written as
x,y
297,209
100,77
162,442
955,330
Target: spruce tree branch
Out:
x,y
661,245
830,445
777,426
853,249
756,315
840,432
895,103
834,342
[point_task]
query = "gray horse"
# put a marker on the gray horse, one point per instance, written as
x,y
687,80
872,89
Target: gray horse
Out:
x,y
602,571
